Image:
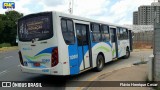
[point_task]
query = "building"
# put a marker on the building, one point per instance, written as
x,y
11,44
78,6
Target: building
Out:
x,y
156,11
146,14
135,18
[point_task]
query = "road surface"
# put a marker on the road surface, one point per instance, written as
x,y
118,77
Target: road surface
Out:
x,y
10,71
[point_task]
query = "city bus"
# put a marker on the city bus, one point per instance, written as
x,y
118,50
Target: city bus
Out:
x,y
56,43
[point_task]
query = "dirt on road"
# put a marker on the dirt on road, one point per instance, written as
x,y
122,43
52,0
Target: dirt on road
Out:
x,y
134,73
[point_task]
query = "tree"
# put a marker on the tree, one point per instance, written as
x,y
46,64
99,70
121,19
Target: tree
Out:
x,y
1,27
8,26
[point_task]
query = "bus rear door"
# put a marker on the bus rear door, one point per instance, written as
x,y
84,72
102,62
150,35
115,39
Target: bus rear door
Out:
x,y
83,42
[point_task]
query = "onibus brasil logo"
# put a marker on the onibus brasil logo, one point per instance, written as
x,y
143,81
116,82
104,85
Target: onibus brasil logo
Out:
x,y
8,5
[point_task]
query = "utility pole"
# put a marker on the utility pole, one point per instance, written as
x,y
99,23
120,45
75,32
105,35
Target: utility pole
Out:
x,y
156,49
70,7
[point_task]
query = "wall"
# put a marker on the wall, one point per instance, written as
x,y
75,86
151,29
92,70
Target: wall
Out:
x,y
143,40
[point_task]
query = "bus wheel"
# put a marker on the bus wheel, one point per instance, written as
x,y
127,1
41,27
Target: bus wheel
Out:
x,y
100,63
127,54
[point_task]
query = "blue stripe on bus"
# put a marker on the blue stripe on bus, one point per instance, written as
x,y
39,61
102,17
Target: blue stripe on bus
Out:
x,y
76,62
73,59
32,63
47,50
109,44
80,56
94,43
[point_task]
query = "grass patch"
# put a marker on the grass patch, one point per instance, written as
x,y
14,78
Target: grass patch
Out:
x,y
5,45
5,49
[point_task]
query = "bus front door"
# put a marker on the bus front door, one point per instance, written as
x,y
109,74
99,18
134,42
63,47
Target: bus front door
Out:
x,y
83,47
114,43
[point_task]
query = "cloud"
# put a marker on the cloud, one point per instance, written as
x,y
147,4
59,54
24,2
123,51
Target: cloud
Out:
x,y
55,5
114,11
53,2
18,6
90,8
34,6
121,11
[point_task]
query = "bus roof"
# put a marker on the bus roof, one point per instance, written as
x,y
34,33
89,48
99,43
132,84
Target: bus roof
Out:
x,y
80,18
86,19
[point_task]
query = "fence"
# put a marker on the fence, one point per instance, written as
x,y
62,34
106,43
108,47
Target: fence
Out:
x,y
143,40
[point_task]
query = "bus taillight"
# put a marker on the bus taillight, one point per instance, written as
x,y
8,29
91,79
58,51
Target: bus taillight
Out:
x,y
54,57
20,57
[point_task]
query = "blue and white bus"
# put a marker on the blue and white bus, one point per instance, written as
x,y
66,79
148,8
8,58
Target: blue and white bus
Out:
x,y
55,43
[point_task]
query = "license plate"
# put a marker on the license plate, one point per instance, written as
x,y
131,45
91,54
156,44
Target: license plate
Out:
x,y
37,64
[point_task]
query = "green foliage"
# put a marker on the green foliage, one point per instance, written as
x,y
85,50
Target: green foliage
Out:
x,y
8,27
5,45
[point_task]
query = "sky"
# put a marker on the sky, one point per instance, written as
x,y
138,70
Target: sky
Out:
x,y
113,11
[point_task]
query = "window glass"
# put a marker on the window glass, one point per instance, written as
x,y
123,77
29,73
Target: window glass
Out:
x,y
34,26
79,36
64,26
95,27
105,29
122,34
118,33
70,25
105,33
82,37
84,34
68,31
125,33
96,35
112,35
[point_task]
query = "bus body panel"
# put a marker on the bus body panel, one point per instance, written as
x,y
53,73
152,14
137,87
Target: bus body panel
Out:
x,y
103,47
73,58
57,70
113,50
40,52
62,48
83,51
122,45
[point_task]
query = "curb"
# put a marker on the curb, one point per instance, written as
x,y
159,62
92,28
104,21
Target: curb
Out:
x,y
84,85
137,50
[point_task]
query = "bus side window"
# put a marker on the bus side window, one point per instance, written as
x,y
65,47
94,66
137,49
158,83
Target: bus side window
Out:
x,y
96,37
105,33
118,33
125,34
68,31
112,35
121,34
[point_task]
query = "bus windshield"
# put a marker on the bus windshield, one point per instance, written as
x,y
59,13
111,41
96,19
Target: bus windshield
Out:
x,y
35,26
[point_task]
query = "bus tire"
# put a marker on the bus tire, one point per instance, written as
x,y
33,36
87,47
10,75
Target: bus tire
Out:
x,y
99,63
127,54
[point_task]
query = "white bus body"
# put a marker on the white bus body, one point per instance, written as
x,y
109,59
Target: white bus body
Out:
x,y
60,44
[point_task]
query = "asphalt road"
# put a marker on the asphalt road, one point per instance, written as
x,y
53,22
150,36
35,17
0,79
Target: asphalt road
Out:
x,y
10,71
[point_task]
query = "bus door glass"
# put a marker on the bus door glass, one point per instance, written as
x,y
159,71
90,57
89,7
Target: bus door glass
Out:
x,y
83,45
114,42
